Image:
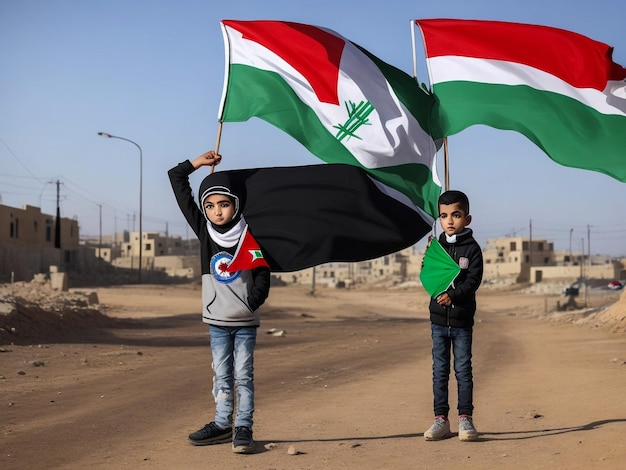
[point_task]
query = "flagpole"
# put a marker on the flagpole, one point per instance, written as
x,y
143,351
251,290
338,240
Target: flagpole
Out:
x,y
446,172
413,48
217,143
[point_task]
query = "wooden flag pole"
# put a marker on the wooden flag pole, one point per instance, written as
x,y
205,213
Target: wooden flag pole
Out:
x,y
217,143
446,171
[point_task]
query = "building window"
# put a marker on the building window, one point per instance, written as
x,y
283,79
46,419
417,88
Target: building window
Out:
x,y
513,246
540,246
525,246
148,246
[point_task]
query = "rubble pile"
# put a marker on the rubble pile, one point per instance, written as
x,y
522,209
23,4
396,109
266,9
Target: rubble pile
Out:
x,y
32,312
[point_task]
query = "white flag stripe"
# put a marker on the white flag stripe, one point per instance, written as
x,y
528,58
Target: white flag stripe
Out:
x,y
399,128
450,68
380,145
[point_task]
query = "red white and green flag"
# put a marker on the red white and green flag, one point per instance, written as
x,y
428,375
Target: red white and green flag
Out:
x,y
342,103
377,191
248,254
560,89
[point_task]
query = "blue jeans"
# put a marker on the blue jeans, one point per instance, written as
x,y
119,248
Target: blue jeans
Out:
x,y
459,340
233,367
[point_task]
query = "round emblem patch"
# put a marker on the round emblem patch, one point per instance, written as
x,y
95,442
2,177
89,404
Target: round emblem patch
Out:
x,y
219,264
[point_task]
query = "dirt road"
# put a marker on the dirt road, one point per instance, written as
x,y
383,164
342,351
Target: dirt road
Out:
x,y
347,385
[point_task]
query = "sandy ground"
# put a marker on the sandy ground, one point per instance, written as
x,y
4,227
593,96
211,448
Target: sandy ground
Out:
x,y
348,386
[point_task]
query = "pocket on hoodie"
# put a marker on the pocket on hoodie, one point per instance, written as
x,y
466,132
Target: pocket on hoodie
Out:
x,y
208,292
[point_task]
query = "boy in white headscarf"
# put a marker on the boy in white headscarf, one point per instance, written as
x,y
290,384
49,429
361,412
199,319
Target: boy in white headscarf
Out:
x,y
230,300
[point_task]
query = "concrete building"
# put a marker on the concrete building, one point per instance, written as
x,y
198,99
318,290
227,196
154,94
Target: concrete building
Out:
x,y
28,227
506,260
30,242
509,258
512,257
28,239
172,255
402,266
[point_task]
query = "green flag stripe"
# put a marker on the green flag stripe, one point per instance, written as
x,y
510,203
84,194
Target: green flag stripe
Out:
x,y
569,132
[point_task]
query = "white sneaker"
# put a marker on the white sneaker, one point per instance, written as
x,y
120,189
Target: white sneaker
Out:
x,y
440,429
467,431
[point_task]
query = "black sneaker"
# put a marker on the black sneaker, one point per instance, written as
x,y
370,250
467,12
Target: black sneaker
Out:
x,y
210,434
243,442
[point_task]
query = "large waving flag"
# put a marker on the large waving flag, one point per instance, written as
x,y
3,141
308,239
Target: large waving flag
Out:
x,y
377,193
302,216
560,89
342,103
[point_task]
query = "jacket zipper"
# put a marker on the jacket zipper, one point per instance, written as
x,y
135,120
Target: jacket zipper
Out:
x,y
453,254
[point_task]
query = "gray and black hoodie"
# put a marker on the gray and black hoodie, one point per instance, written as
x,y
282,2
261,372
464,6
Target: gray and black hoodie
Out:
x,y
228,299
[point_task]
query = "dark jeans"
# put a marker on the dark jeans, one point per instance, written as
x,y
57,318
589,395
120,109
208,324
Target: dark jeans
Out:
x,y
458,341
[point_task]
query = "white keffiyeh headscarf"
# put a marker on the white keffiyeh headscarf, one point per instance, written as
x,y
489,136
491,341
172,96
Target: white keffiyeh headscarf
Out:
x,y
229,238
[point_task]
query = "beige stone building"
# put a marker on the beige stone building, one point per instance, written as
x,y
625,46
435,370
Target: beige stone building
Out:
x,y
398,267
28,227
172,255
520,260
28,238
512,257
507,260
31,241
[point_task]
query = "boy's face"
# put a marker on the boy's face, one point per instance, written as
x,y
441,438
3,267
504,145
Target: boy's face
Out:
x,y
219,209
453,219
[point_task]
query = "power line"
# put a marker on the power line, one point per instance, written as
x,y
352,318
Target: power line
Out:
x,y
17,159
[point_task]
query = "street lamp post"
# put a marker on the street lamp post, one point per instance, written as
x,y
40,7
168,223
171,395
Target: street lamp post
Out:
x,y
109,136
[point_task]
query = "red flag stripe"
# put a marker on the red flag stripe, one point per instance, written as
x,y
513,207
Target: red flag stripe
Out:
x,y
312,51
581,61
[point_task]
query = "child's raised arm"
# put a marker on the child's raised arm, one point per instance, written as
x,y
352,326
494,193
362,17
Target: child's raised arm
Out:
x,y
210,158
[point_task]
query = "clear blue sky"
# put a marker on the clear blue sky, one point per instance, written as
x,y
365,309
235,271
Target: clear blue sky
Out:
x,y
152,71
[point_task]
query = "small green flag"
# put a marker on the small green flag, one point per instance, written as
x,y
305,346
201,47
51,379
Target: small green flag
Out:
x,y
438,270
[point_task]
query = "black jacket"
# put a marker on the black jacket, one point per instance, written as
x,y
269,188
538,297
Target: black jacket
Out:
x,y
467,254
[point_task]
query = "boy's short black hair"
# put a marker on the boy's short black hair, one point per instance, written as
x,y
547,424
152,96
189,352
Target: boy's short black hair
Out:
x,y
455,197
